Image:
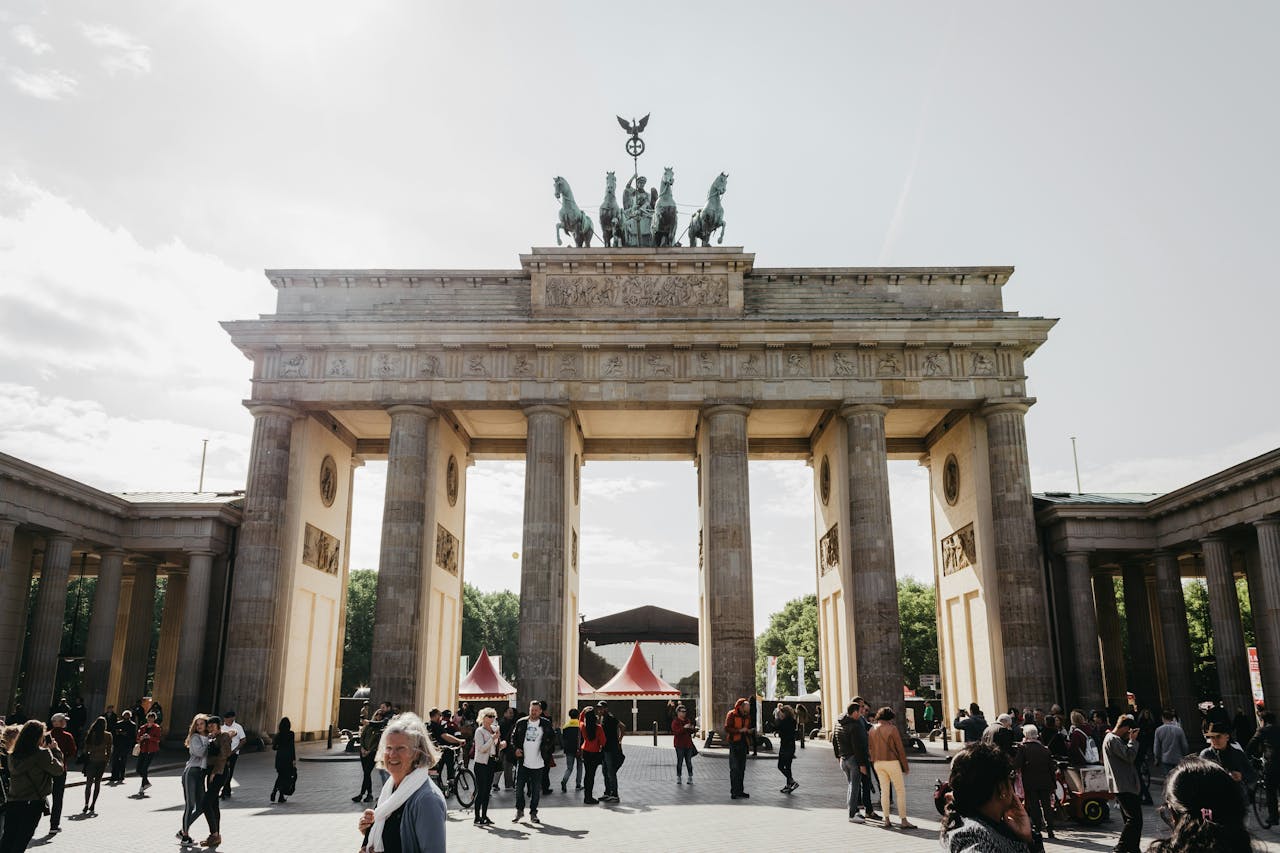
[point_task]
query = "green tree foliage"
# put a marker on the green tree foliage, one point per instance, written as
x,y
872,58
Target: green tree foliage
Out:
x,y
792,632
1204,667
491,620
357,647
918,614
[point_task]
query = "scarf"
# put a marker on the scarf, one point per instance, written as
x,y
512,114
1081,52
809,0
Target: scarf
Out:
x,y
389,802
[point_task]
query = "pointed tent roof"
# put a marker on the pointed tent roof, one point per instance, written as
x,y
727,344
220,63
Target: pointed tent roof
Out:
x,y
584,688
637,681
484,681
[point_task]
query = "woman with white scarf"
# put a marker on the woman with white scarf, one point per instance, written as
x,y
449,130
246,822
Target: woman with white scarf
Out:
x,y
411,812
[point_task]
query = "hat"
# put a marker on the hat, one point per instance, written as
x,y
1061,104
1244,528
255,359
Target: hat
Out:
x,y
1218,729
603,703
1004,720
59,717
230,713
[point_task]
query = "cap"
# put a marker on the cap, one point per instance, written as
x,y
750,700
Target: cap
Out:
x,y
1218,729
231,713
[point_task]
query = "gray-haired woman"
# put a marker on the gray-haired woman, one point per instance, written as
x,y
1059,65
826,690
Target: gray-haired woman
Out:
x,y
411,812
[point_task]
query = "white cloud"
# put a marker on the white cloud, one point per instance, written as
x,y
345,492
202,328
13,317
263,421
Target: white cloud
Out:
x,y
25,35
49,85
122,52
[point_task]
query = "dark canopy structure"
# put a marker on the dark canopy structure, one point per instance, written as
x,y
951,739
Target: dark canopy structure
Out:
x,y
646,624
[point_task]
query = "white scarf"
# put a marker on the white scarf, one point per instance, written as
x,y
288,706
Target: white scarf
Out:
x,y
389,801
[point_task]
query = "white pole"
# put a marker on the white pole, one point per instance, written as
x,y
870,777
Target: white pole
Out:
x,y
204,452
1076,459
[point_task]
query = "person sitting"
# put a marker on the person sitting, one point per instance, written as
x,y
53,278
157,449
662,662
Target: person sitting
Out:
x,y
983,814
1203,807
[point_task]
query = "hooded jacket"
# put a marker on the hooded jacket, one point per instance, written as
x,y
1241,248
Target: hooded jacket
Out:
x,y
853,740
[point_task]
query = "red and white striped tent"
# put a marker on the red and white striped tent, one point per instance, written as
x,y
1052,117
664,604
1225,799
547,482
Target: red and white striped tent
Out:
x,y
484,683
585,690
636,680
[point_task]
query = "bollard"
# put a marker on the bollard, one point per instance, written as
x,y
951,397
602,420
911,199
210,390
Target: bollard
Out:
x,y
945,732
330,743
655,732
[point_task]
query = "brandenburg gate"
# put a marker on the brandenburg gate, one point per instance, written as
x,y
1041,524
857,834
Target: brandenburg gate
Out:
x,y
634,353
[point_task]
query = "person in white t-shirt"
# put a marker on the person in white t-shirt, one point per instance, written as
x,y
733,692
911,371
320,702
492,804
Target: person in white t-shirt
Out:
x,y
236,730
534,740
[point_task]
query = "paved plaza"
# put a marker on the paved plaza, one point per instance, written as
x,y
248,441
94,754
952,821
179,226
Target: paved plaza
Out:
x,y
655,813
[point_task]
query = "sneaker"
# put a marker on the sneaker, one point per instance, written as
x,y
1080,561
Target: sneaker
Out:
x,y
533,816
519,817
356,798
857,817
745,795
577,788
146,785
564,787
785,789
589,801
54,829
794,784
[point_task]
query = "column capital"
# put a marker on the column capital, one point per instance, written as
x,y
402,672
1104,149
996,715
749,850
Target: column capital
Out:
x,y
557,409
1213,537
849,408
262,408
1078,553
201,552
7,523
1016,405
59,537
410,409
727,408
1261,524
1167,553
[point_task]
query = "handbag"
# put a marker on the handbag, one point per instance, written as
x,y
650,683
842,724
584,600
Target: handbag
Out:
x,y
289,781
695,749
137,750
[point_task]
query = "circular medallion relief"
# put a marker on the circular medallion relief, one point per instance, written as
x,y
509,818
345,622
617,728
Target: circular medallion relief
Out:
x,y
451,480
824,480
951,480
328,480
577,479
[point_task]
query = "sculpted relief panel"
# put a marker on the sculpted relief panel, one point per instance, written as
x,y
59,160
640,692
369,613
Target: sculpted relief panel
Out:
x,y
320,550
637,291
959,551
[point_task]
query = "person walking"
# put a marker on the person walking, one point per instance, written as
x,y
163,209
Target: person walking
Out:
x,y
67,744
1034,761
197,745
411,813
983,814
855,760
889,758
123,736
788,729
535,743
1233,760
1170,745
682,729
1202,806
217,754
486,743
802,722
1266,745
370,735
506,726
35,762
1119,757
592,747
286,761
149,735
97,752
569,739
737,733
79,719
612,755
236,731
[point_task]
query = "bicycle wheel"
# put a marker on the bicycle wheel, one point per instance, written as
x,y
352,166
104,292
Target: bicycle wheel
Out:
x,y
1258,796
465,788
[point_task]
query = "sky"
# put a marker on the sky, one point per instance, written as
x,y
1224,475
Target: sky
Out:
x,y
155,159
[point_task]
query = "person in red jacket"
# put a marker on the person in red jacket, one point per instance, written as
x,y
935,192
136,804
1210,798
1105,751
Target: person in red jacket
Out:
x,y
67,743
148,746
591,748
683,728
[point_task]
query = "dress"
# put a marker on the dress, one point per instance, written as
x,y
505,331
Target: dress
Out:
x,y
286,772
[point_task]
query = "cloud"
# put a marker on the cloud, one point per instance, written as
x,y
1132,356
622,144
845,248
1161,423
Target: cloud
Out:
x,y
122,52
46,85
25,35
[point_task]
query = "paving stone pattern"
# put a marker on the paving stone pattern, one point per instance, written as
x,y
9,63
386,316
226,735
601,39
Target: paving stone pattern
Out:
x,y
655,813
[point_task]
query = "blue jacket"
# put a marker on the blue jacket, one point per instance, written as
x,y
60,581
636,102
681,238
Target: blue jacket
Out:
x,y
422,821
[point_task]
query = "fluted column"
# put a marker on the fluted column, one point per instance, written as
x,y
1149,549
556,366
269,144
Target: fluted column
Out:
x,y
398,631
1142,650
171,620
728,603
1228,634
1084,631
543,560
102,629
1024,616
46,628
876,626
137,642
192,643
1266,616
1177,642
15,582
1113,674
255,631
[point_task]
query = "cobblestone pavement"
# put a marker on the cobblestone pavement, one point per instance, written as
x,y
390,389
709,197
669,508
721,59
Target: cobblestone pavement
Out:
x,y
655,813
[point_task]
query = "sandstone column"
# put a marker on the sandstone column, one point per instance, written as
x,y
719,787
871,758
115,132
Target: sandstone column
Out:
x,y
398,631
171,622
46,628
15,585
876,626
255,642
1113,674
1024,618
543,560
1084,631
192,647
137,641
1177,643
102,629
1142,651
1228,634
1266,616
728,602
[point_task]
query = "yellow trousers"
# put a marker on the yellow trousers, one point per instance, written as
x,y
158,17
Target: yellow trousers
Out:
x,y
891,772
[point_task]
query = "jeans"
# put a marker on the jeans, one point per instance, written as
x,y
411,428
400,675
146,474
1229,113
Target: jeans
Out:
x,y
366,770
231,770
55,810
192,796
528,778
592,760
684,755
212,805
144,764
119,765
508,771
1131,812
610,773
20,821
737,766
853,796
572,761
484,783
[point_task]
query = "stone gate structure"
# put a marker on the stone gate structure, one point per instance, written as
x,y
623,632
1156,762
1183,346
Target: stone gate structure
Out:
x,y
634,353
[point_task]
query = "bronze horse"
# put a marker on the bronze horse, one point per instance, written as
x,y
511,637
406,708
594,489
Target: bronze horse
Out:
x,y
572,220
610,213
710,217
664,213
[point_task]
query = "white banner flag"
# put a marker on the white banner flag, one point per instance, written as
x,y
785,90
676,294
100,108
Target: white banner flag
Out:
x,y
800,691
771,677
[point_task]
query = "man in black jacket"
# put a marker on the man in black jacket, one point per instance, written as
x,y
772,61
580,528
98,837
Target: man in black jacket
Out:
x,y
855,760
973,724
1266,745
534,739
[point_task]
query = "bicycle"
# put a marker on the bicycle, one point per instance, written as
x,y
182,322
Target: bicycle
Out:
x,y
462,782
1257,796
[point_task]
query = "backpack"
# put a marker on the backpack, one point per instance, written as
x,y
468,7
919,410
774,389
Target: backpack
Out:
x,y
1090,748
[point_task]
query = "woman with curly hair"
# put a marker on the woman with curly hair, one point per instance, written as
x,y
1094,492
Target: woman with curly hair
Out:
x,y
1202,805
983,815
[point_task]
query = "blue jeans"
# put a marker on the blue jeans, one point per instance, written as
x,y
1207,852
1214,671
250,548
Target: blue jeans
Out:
x,y
610,773
571,762
530,778
684,755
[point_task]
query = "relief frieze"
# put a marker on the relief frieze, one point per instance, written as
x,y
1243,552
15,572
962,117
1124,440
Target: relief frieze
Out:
x,y
829,550
446,550
959,550
320,550
637,291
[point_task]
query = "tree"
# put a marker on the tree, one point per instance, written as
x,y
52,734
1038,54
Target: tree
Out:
x,y
792,632
1204,667
918,615
357,647
491,620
